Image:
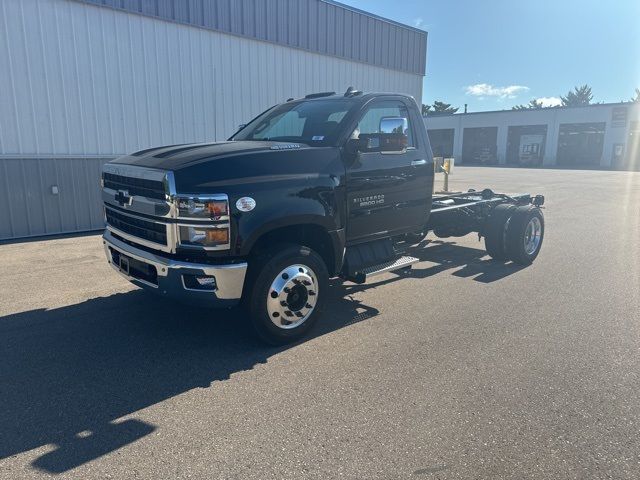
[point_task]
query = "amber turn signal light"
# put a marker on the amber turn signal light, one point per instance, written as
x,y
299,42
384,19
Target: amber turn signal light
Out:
x,y
217,235
217,209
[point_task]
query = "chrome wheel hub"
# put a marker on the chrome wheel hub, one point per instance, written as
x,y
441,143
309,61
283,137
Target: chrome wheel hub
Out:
x,y
292,296
532,236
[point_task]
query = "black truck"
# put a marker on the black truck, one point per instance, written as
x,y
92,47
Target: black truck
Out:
x,y
314,188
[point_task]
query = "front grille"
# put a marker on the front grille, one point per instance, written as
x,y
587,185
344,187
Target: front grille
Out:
x,y
138,227
135,186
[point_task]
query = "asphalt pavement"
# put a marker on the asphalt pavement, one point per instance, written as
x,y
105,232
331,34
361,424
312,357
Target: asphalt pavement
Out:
x,y
461,368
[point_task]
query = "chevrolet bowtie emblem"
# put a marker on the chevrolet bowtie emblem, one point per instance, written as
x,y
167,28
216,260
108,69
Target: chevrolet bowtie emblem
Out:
x,y
123,198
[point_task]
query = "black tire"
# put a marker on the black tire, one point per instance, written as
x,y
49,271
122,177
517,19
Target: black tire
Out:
x,y
265,271
495,231
525,234
414,238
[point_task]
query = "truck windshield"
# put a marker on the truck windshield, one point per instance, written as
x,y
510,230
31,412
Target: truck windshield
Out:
x,y
314,122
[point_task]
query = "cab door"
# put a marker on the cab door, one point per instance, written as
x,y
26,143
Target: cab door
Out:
x,y
388,192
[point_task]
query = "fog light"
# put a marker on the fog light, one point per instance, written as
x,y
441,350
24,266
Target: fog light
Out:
x,y
200,282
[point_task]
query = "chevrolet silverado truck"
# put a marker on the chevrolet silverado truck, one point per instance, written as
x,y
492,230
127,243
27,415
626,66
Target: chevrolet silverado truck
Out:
x,y
314,188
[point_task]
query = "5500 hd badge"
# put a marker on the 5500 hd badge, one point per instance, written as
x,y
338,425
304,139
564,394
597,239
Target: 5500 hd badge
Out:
x,y
369,201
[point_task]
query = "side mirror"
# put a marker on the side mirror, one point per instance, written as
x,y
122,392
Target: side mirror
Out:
x,y
393,125
241,126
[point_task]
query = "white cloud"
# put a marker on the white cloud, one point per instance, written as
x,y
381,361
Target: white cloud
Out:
x,y
549,101
418,22
486,90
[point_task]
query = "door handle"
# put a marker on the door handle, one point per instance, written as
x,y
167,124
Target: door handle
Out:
x,y
417,163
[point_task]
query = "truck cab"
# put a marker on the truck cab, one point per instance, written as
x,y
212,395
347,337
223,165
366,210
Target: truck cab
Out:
x,y
323,186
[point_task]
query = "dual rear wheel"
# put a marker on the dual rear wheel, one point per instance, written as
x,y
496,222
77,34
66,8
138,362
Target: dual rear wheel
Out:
x,y
514,233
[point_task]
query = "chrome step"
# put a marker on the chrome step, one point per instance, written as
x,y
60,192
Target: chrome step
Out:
x,y
366,273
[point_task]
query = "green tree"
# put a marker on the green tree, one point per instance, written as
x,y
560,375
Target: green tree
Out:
x,y
532,105
425,109
637,97
441,107
577,97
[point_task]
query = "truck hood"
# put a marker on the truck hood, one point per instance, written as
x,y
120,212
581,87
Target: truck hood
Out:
x,y
241,165
177,157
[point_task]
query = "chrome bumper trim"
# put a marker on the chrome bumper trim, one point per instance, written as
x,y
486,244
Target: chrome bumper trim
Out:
x,y
229,277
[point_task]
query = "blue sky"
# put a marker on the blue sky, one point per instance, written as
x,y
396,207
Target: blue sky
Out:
x,y
493,54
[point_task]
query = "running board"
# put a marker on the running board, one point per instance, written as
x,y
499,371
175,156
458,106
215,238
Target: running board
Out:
x,y
369,272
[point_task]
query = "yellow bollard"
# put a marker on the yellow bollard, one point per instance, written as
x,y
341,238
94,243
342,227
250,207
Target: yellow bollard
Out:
x,y
447,168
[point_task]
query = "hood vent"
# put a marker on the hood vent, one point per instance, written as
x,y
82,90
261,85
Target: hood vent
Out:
x,y
153,149
176,151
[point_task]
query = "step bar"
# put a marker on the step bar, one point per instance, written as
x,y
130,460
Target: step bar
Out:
x,y
369,272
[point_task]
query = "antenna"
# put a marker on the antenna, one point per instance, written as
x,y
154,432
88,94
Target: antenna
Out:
x,y
352,92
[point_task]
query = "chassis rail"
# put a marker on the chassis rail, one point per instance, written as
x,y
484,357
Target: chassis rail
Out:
x,y
458,214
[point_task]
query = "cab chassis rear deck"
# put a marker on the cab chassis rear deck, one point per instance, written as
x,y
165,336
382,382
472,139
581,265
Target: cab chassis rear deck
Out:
x,y
457,214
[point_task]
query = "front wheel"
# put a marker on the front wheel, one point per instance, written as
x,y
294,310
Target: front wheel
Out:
x,y
286,294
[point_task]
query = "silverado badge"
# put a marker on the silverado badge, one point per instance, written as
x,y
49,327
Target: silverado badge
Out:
x,y
286,146
369,201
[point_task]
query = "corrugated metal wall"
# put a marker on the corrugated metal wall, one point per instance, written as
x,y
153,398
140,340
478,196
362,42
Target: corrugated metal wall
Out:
x,y
80,80
321,26
31,207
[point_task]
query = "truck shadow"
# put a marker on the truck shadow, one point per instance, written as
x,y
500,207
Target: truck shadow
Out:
x,y
73,377
464,262
468,262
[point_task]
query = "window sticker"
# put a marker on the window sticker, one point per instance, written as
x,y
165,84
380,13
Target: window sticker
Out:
x,y
317,137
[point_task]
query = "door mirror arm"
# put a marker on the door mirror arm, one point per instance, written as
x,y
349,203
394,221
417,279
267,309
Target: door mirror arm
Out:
x,y
353,146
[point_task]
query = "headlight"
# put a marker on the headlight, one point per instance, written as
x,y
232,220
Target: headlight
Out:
x,y
210,207
204,209
212,237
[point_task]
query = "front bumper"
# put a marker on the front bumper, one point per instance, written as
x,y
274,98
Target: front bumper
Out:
x,y
166,277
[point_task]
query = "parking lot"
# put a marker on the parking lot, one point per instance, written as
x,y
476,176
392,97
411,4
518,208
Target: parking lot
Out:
x,y
461,368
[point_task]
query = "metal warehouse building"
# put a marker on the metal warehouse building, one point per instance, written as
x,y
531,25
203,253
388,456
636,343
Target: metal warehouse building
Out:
x,y
85,81
600,135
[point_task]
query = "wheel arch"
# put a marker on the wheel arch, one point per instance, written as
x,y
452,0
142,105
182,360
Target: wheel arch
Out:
x,y
328,244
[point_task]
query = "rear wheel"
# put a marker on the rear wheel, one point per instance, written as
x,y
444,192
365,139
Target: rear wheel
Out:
x,y
525,233
286,295
495,231
414,237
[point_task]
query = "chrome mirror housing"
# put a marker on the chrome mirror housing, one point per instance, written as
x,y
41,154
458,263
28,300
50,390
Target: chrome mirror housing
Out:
x,y
393,125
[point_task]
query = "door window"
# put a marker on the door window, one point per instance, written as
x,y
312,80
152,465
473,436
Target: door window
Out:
x,y
382,114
